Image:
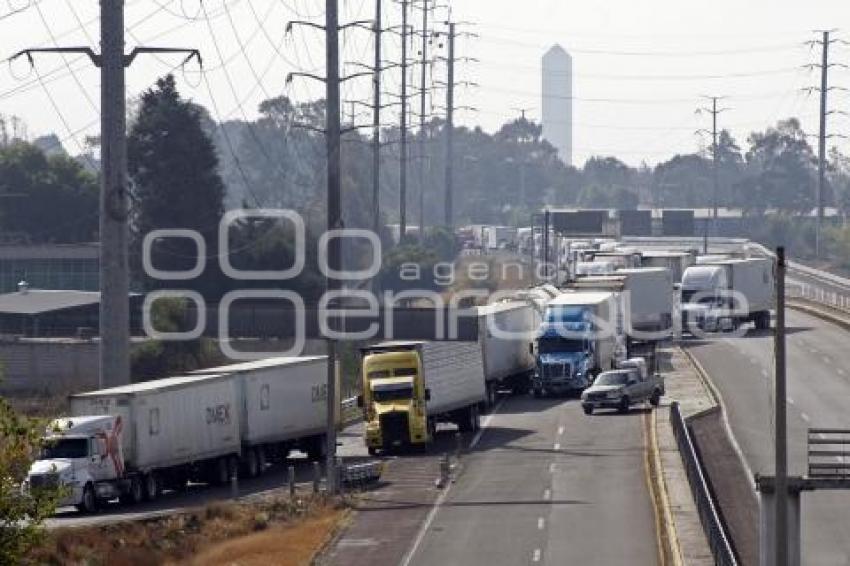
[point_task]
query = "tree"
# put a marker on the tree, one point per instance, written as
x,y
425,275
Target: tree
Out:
x,y
780,170
22,512
176,184
50,199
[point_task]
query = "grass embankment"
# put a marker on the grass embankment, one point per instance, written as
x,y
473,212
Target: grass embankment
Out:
x,y
273,531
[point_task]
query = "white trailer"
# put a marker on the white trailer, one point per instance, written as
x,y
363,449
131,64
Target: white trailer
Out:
x,y
647,299
506,332
283,407
676,262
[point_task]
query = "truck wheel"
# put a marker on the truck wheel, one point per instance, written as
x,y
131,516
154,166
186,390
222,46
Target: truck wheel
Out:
x,y
372,451
88,504
135,494
316,448
221,471
251,463
624,405
655,399
152,487
588,409
492,397
476,419
261,460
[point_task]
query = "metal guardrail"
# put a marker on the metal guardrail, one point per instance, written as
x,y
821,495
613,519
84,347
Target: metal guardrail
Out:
x,y
715,530
349,411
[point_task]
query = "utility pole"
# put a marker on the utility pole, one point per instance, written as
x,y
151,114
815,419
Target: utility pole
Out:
x,y
450,109
422,155
402,189
114,213
715,151
824,88
114,270
781,450
376,124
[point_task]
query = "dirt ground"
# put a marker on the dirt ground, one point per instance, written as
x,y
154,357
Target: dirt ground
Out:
x,y
271,531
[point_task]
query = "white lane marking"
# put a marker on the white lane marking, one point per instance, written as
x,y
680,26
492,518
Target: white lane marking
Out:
x,y
840,371
790,401
423,530
754,361
557,446
541,523
813,350
805,417
765,373
535,556
552,468
547,495
827,360
560,430
484,424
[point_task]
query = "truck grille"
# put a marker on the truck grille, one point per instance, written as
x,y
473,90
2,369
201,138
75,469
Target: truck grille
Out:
x,y
556,371
596,396
394,428
49,480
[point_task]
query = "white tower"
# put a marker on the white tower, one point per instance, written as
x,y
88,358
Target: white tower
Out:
x,y
557,101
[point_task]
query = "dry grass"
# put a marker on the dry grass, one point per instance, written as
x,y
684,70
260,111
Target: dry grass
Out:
x,y
274,530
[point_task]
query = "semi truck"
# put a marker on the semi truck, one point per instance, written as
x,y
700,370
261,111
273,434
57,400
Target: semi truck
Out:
x,y
647,299
581,335
410,387
727,293
134,441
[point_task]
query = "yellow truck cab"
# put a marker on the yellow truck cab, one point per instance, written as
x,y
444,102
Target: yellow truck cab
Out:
x,y
410,386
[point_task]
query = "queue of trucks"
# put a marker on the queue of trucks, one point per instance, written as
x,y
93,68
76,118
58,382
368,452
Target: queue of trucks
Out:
x,y
134,441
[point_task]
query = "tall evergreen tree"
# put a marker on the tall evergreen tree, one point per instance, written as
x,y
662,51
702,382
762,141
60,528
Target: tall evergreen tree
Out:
x,y
176,182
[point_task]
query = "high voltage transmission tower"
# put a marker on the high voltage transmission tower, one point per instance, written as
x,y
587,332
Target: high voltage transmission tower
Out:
x,y
114,213
715,149
824,88
333,134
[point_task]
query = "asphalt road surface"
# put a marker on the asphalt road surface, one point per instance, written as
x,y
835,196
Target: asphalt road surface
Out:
x,y
818,379
546,484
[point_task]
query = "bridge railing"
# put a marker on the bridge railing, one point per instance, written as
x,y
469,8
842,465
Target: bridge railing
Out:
x,y
715,531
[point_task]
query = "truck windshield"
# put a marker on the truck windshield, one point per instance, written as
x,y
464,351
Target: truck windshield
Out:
x,y
395,393
558,345
619,378
65,448
564,314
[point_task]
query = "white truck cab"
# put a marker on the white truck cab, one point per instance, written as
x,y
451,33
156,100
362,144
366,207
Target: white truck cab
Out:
x,y
83,455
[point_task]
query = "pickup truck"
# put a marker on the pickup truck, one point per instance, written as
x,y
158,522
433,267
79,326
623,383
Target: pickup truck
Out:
x,y
621,388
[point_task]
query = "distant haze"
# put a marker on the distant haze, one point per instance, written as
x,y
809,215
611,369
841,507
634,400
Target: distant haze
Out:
x,y
639,67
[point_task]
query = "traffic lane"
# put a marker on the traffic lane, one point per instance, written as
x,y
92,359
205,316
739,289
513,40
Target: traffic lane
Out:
x,y
351,448
570,491
491,513
601,461
742,368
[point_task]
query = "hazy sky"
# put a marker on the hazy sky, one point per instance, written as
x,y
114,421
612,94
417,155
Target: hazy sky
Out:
x,y
640,66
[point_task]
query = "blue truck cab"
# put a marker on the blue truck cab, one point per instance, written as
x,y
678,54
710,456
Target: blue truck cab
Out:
x,y
571,346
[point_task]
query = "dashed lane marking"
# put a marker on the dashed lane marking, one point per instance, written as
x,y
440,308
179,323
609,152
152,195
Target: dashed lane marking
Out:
x,y
535,556
547,495
541,523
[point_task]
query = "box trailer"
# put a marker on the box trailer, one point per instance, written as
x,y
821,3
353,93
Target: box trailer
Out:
x,y
283,407
505,333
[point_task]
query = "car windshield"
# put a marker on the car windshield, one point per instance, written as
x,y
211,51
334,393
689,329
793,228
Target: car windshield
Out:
x,y
614,378
65,448
558,345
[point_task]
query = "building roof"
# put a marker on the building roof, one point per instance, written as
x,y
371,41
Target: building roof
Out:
x,y
38,301
50,251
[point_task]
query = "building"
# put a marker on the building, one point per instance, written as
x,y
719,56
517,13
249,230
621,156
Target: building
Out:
x,y
557,101
50,266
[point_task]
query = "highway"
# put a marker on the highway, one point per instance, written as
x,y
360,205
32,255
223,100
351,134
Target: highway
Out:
x,y
819,393
546,484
